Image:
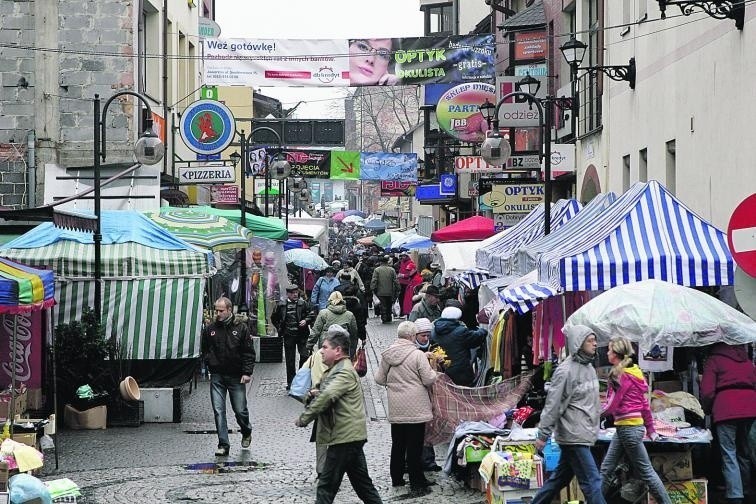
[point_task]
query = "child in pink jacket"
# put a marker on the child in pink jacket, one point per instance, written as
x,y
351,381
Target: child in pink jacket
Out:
x,y
628,404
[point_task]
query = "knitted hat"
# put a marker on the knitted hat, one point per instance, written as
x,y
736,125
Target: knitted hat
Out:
x,y
451,312
423,325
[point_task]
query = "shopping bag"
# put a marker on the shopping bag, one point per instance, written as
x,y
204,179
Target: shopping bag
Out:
x,y
302,382
396,309
360,361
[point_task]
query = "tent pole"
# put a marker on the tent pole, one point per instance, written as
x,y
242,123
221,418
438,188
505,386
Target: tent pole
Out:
x,y
12,414
51,329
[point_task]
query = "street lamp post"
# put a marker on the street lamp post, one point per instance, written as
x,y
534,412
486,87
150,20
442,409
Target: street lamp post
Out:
x,y
573,51
148,149
491,150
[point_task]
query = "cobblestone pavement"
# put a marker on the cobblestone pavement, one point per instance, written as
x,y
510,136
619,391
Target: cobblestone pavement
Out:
x,y
162,463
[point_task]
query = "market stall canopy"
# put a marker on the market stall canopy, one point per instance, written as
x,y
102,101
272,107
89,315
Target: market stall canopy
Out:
x,y
457,257
200,228
525,260
412,241
313,229
375,225
353,219
294,244
526,292
646,233
472,228
24,289
153,282
386,240
358,213
264,227
494,253
271,192
654,312
305,258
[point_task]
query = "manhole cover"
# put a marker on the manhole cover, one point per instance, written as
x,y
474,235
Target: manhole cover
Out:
x,y
225,467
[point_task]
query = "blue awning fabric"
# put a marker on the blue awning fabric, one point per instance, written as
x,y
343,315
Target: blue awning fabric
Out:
x,y
497,254
524,298
647,233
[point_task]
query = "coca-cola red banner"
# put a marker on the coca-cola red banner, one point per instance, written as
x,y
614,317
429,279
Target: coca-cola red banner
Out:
x,y
26,356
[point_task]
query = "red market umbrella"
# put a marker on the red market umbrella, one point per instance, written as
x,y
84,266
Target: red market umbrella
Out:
x,y
473,228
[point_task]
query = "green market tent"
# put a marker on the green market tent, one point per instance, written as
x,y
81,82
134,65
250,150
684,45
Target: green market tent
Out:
x,y
153,282
271,192
264,227
200,228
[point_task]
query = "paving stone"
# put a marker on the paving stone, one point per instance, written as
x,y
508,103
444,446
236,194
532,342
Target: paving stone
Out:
x,y
163,463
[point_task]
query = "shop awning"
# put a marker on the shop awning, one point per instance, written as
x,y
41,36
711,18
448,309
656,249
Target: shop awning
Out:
x,y
472,228
647,233
525,293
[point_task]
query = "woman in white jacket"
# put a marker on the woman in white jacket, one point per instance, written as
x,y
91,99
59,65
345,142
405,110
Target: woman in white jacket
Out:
x,y
405,370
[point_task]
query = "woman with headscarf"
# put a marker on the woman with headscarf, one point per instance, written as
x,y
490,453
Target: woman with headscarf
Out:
x,y
627,402
335,313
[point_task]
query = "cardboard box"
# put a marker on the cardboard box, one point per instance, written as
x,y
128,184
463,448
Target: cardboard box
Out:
x,y
5,404
685,492
93,418
572,492
27,438
673,466
494,496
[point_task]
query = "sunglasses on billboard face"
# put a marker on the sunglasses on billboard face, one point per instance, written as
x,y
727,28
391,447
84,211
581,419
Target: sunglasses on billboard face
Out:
x,y
364,47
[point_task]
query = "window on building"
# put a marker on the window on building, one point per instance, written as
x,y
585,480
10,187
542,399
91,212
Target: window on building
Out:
x,y
643,165
625,173
590,85
671,167
148,46
642,10
438,18
171,49
184,81
628,6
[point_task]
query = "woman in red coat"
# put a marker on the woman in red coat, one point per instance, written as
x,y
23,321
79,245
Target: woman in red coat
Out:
x,y
728,391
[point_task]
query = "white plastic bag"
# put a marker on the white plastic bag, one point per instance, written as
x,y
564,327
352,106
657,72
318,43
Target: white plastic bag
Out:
x,y
396,309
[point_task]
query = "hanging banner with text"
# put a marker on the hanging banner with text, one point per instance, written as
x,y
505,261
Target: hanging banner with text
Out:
x,y
309,163
388,166
458,111
390,188
25,358
352,62
510,196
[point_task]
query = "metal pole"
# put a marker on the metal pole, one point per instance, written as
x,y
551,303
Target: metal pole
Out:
x,y
267,182
548,110
97,238
286,181
243,252
573,118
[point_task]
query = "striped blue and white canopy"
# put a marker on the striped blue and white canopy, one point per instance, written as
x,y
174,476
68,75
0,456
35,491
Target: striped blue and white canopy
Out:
x,y
647,233
497,254
524,293
527,256
472,278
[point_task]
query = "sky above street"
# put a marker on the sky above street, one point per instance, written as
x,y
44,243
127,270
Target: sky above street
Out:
x,y
317,19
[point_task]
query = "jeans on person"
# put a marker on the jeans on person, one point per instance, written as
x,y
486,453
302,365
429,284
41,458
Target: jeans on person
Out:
x,y
386,304
628,442
575,460
736,464
291,345
350,459
237,391
407,444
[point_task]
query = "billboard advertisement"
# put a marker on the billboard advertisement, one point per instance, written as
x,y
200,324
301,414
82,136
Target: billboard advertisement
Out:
x,y
309,163
510,196
390,188
349,62
388,166
458,114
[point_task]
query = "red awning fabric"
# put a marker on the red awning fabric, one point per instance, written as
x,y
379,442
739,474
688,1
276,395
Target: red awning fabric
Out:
x,y
473,228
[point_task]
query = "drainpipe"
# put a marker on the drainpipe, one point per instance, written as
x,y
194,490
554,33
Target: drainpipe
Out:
x,y
165,85
31,171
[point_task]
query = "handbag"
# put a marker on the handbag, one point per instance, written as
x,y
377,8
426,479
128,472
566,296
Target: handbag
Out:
x,y
360,361
302,382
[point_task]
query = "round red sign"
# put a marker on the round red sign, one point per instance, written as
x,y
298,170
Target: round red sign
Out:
x,y
741,235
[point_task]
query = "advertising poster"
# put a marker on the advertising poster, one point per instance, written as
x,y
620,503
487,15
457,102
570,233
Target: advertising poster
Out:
x,y
26,356
310,163
458,111
256,162
345,165
224,194
391,188
388,166
530,45
510,196
370,62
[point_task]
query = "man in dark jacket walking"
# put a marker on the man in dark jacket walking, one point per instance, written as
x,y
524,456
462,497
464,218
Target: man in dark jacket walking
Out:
x,y
227,348
386,286
292,320
355,303
457,340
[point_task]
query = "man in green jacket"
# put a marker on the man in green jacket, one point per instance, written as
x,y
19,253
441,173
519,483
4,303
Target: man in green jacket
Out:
x,y
338,404
385,286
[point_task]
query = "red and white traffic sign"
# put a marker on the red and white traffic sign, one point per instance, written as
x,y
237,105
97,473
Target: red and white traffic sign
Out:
x,y
741,235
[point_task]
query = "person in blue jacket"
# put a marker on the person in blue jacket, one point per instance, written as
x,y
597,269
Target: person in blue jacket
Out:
x,y
456,339
323,288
